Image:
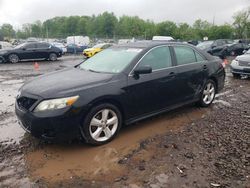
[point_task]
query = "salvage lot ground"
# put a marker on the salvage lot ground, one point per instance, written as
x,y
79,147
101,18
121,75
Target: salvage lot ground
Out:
x,y
189,147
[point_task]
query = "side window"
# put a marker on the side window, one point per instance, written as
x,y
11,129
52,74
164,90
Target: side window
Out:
x,y
198,57
30,46
42,45
184,55
157,58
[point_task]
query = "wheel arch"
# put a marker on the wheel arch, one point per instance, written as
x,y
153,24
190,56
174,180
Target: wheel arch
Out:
x,y
108,100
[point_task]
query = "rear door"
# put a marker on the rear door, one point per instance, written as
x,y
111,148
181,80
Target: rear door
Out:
x,y
155,91
192,70
42,50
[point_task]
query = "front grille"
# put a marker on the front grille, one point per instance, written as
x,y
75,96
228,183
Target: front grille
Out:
x,y
25,102
244,63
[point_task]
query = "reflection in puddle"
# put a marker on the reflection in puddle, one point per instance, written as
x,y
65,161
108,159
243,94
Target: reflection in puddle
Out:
x,y
60,162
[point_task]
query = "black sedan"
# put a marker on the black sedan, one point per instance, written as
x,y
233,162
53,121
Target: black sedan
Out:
x,y
229,50
118,86
31,51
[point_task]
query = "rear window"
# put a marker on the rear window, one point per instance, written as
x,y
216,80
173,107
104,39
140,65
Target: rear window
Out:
x,y
184,55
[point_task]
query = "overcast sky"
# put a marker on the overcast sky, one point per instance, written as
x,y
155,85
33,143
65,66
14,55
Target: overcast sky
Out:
x,y
18,12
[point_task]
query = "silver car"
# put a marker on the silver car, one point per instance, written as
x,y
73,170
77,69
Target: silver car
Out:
x,y
241,65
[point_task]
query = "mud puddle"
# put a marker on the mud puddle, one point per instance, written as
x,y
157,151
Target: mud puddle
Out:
x,y
8,124
55,163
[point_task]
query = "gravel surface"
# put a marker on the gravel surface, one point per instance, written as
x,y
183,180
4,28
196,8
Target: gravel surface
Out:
x,y
210,151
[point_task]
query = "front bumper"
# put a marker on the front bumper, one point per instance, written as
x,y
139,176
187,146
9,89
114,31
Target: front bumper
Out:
x,y
57,125
240,70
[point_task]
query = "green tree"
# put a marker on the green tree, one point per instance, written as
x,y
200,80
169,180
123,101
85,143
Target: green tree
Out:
x,y
242,23
7,30
201,28
167,28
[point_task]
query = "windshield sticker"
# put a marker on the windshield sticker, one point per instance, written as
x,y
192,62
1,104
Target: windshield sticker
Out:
x,y
134,50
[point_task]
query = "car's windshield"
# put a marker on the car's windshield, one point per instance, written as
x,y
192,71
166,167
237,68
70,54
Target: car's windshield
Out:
x,y
112,60
204,45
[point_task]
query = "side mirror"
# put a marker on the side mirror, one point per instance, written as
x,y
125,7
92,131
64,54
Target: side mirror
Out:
x,y
142,70
213,46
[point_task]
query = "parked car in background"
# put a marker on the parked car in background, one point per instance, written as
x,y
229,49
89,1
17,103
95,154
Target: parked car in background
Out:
x,y
30,51
89,52
213,46
162,38
230,50
61,46
5,45
74,49
78,40
241,65
120,85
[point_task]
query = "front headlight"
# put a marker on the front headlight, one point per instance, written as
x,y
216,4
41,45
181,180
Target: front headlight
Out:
x,y
54,104
235,62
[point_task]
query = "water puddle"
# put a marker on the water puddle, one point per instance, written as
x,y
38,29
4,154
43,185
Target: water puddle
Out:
x,y
62,162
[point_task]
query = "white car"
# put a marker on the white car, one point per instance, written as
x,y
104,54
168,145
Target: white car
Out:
x,y
5,45
61,46
241,65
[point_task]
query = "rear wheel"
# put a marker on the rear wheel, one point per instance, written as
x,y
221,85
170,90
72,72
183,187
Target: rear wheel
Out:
x,y
101,124
13,58
208,93
52,57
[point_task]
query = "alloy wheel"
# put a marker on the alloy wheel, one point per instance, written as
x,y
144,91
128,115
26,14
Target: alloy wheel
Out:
x,y
13,58
103,125
208,93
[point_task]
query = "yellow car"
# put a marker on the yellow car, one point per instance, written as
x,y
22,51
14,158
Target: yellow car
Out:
x,y
89,52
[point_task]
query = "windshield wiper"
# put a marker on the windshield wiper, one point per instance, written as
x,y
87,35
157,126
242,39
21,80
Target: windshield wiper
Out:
x,y
93,71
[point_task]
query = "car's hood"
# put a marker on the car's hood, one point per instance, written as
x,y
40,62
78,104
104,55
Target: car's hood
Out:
x,y
244,57
64,82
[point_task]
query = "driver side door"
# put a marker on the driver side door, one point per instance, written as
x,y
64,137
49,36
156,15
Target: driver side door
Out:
x,y
150,93
27,52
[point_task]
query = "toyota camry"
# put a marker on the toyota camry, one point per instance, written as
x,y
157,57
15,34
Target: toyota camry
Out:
x,y
118,86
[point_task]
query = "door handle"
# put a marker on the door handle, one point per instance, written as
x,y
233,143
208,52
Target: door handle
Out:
x,y
204,67
172,74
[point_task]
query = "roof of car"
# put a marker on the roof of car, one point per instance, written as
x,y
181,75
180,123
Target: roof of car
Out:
x,y
148,44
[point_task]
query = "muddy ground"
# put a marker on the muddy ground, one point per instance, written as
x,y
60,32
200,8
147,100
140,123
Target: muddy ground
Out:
x,y
188,147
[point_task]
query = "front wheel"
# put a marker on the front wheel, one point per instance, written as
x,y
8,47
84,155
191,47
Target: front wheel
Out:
x,y
101,124
52,57
13,58
208,93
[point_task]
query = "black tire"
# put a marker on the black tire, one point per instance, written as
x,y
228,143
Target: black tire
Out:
x,y
52,57
13,58
202,102
1,60
235,75
86,127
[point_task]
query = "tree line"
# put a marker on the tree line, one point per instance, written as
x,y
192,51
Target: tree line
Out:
x,y
107,25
